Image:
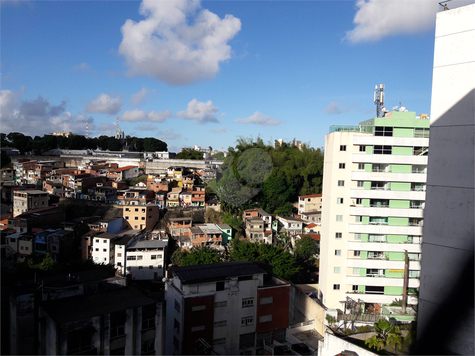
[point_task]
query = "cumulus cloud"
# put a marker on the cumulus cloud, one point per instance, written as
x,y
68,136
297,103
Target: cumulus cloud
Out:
x,y
169,135
81,67
259,118
199,111
338,108
38,116
376,19
142,115
177,43
104,104
140,97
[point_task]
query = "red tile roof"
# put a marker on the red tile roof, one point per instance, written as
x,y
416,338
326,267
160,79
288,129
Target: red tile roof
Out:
x,y
310,196
122,168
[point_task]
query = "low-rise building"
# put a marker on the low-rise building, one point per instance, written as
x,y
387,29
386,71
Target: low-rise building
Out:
x,y
24,200
128,172
309,203
145,259
140,217
291,226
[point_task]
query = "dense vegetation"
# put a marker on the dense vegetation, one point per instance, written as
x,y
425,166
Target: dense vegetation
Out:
x,y
38,144
189,153
258,175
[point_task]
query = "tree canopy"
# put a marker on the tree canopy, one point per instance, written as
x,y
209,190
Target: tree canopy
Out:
x,y
189,153
196,256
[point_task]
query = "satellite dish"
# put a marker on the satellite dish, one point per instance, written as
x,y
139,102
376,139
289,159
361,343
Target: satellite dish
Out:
x,y
394,107
402,108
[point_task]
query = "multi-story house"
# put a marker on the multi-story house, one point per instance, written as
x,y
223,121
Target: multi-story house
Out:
x,y
227,233
173,198
140,217
157,183
128,172
135,196
258,230
373,200
309,203
103,248
206,235
198,196
146,258
289,225
226,308
24,200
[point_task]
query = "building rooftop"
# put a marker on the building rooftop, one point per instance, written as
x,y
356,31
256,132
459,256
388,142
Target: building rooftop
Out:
x,y
209,229
142,243
82,307
215,271
310,196
224,226
122,169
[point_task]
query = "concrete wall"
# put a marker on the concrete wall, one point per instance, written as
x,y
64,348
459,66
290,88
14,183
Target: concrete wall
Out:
x,y
449,215
308,307
333,345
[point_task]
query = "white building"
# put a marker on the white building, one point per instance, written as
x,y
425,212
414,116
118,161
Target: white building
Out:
x,y
145,259
448,245
373,199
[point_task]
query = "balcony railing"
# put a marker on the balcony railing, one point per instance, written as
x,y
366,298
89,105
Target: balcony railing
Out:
x,y
379,205
411,223
378,223
416,207
379,188
375,275
376,257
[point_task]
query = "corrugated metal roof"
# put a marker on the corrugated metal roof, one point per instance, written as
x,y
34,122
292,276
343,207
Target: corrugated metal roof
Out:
x,y
215,271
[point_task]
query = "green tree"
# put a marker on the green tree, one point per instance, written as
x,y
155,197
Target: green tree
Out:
x,y
305,248
384,328
199,255
375,343
151,144
114,144
189,153
283,263
177,257
395,339
20,141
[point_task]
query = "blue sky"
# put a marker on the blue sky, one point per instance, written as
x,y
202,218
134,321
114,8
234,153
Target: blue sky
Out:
x,y
207,72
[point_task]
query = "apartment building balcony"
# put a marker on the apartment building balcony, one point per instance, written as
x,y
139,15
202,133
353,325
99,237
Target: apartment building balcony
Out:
x,y
379,210
389,177
387,194
357,262
385,229
389,159
384,246
378,298
383,282
390,141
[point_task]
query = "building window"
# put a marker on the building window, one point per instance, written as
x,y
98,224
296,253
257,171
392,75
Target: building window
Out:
x,y
143,210
356,253
247,321
197,328
176,325
148,346
136,209
220,323
97,249
140,267
143,217
360,184
105,241
220,304
339,200
131,258
247,302
357,236
177,306
359,201
336,287
421,132
337,252
198,307
153,257
126,217
338,235
139,257
358,218
117,324
97,241
136,218
150,267
362,148
265,318
336,269
266,300
354,288
361,166
383,131
356,271
341,165
339,218
219,286
341,183
382,150
342,147
129,269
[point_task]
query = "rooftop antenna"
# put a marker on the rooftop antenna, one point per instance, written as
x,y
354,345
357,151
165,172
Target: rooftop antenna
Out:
x,y
379,99
444,5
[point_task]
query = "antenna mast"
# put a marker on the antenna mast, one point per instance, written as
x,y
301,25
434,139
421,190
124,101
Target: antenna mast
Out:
x,y
379,99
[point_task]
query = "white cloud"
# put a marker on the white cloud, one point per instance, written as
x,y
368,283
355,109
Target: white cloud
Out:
x,y
81,67
168,135
199,111
259,118
146,127
104,104
142,115
177,43
140,97
376,19
338,108
220,130
38,116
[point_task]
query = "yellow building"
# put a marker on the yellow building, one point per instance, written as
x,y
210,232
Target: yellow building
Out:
x,y
140,217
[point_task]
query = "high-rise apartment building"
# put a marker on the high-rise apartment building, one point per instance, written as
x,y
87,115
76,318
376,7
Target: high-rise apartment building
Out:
x,y
373,199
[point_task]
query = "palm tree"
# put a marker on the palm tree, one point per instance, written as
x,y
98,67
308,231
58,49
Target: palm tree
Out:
x,y
384,328
375,342
395,339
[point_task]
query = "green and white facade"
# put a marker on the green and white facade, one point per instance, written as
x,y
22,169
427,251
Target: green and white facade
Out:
x,y
373,199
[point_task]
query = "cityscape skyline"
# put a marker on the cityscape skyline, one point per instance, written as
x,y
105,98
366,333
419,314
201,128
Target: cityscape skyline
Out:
x,y
207,72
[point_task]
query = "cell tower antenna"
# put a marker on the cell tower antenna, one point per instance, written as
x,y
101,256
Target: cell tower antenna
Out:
x,y
379,99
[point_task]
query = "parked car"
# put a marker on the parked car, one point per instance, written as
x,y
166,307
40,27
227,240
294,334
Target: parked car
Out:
x,y
282,350
301,348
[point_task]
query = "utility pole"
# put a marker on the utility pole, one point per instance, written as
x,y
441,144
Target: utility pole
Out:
x,y
404,285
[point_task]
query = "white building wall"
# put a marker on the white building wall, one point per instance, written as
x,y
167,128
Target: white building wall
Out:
x,y
102,251
449,216
140,267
